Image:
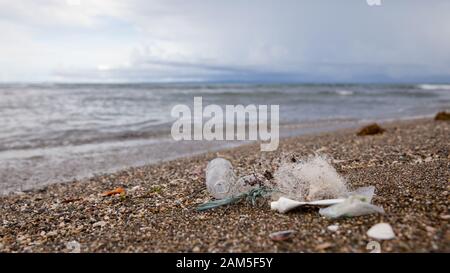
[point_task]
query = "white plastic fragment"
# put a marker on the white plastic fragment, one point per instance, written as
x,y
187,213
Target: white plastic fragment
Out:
x,y
381,231
355,205
366,192
284,204
221,181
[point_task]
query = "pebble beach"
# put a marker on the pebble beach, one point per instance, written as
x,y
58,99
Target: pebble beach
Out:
x,y
408,164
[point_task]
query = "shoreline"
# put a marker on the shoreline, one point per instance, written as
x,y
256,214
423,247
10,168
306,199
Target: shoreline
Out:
x,y
31,169
27,169
408,165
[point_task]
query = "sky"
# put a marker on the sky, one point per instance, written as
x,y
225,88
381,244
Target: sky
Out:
x,y
224,41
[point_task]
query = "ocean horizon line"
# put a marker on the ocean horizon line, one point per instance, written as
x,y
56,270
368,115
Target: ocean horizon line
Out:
x,y
262,83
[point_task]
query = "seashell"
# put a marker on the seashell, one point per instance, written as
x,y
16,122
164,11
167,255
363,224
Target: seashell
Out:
x,y
381,231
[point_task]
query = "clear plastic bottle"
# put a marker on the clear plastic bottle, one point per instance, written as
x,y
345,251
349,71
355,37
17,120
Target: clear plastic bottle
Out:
x,y
220,178
222,182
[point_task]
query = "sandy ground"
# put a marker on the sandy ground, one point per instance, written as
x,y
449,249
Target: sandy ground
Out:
x,y
409,165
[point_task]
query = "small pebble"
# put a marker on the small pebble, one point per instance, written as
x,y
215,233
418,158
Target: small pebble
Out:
x,y
323,246
333,228
52,233
281,235
99,224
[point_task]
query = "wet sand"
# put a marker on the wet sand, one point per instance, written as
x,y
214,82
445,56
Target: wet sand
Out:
x,y
30,168
409,165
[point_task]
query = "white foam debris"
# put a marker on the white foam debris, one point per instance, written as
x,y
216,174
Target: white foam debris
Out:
x,y
355,205
313,178
381,231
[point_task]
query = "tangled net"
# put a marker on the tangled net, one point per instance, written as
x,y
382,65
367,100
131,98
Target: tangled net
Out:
x,y
312,178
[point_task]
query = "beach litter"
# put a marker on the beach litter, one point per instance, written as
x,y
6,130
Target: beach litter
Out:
x,y
312,181
221,181
381,231
284,204
356,203
219,178
251,196
312,178
223,184
352,206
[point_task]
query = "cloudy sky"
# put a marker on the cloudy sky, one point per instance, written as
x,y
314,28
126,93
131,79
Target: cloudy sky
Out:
x,y
228,40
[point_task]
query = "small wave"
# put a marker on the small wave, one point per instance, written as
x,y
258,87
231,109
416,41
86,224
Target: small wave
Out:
x,y
344,92
434,86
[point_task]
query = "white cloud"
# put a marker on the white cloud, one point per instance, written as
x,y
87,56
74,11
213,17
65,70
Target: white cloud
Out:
x,y
154,40
67,13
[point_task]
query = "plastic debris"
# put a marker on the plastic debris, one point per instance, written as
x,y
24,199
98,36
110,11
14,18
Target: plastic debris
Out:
x,y
311,179
381,231
355,205
365,193
281,235
223,184
252,195
284,204
219,178
221,181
